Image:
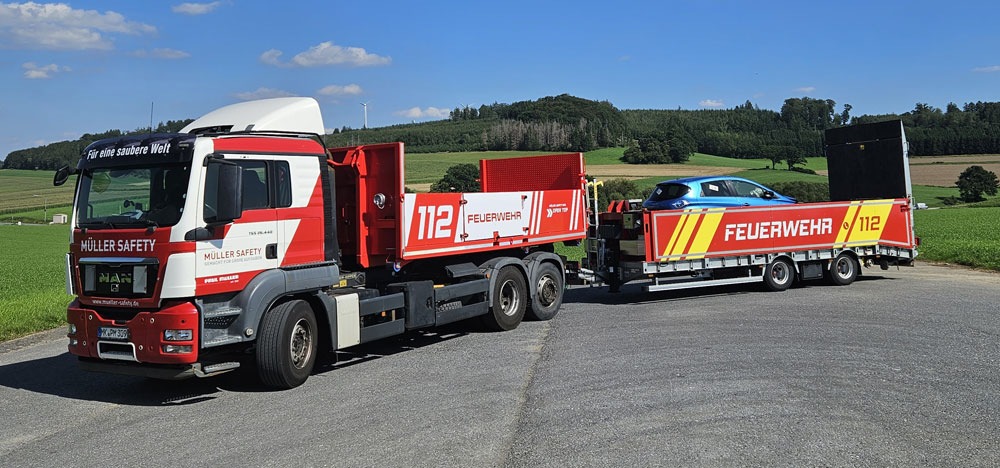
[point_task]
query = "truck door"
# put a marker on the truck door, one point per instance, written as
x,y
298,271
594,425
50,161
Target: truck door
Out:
x,y
235,253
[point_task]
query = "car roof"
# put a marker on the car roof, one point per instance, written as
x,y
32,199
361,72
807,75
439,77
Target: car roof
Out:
x,y
701,179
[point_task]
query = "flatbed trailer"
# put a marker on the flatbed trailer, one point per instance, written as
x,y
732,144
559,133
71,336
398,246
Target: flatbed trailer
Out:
x,y
679,249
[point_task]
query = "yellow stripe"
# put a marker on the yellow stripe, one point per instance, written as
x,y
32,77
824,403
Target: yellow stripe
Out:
x,y
845,227
705,234
673,235
871,221
685,234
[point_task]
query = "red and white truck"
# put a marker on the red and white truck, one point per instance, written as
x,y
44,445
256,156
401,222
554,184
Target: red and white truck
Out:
x,y
869,222
243,236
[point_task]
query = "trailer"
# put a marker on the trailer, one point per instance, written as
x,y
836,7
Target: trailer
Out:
x,y
242,239
869,222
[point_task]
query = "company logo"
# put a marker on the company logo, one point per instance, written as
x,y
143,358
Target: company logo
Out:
x,y
556,209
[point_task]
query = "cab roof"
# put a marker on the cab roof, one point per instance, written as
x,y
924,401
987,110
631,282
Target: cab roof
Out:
x,y
287,114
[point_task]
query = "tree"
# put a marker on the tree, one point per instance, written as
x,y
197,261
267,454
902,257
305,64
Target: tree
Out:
x,y
458,178
845,117
778,153
794,157
974,181
620,189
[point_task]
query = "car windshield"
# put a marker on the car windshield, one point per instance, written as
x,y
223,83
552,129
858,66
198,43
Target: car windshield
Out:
x,y
668,192
132,197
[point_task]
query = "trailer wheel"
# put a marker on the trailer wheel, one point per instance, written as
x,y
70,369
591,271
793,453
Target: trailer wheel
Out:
x,y
286,345
843,271
510,297
548,293
778,274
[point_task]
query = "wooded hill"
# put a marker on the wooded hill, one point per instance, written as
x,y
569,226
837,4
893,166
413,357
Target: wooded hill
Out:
x,y
568,123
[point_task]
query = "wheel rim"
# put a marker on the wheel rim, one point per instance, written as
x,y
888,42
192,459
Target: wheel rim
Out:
x,y
547,291
509,299
779,273
845,268
301,344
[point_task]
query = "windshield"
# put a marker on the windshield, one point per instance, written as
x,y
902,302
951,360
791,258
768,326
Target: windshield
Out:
x,y
132,197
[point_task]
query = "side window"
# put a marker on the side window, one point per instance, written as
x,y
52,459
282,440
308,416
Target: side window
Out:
x,y
745,189
714,189
254,184
258,188
282,185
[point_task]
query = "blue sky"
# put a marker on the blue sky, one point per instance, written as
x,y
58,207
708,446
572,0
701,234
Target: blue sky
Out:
x,y
88,66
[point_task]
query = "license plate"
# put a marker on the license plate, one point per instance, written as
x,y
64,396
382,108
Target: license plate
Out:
x,y
112,333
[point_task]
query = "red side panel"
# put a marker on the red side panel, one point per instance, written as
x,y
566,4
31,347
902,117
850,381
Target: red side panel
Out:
x,y
719,232
551,172
366,177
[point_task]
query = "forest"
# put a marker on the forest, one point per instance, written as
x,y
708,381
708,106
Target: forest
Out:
x,y
569,123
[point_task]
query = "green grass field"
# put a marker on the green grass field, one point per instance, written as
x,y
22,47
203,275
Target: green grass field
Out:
x,y
964,236
29,196
32,279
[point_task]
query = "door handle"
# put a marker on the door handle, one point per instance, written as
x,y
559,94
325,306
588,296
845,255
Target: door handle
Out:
x,y
271,251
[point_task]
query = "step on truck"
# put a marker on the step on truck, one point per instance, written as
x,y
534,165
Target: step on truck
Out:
x,y
868,222
243,239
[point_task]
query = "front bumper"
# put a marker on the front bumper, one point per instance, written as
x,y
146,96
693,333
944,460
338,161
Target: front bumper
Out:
x,y
145,342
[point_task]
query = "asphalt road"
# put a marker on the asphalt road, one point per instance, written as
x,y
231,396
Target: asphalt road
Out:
x,y
901,368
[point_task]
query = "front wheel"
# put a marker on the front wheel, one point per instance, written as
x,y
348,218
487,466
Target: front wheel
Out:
x,y
510,297
548,293
286,345
843,271
778,274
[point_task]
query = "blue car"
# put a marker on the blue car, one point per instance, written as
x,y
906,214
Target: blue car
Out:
x,y
712,192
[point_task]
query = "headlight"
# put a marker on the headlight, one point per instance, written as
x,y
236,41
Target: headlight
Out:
x,y
177,335
72,329
175,349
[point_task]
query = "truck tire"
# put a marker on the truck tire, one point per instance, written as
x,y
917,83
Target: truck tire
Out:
x,y
286,345
778,274
510,297
548,293
843,271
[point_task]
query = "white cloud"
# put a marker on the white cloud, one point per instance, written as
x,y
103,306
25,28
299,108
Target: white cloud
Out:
x,y
991,69
57,26
195,9
34,72
337,90
428,113
263,93
326,54
710,103
806,89
169,54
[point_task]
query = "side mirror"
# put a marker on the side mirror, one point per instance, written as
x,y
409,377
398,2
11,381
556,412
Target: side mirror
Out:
x,y
62,175
228,184
767,195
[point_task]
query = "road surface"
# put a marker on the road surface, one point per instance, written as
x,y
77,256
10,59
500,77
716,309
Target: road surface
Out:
x,y
901,368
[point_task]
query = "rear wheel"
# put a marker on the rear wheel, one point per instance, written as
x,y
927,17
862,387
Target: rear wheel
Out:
x,y
286,345
510,297
778,274
548,293
843,270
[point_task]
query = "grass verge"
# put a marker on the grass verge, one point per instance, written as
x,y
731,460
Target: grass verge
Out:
x,y
32,279
963,236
